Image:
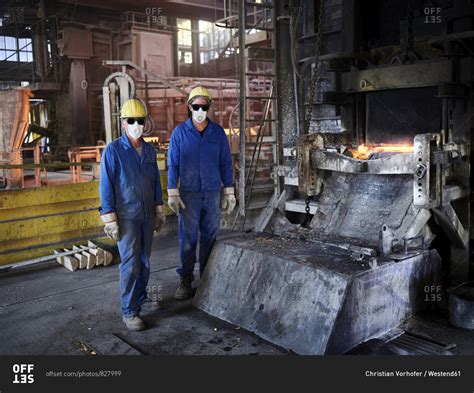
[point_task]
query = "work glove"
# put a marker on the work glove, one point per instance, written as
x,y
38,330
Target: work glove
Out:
x,y
174,201
111,228
228,201
160,218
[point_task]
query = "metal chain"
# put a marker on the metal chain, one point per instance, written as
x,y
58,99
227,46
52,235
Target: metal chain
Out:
x,y
307,218
306,201
314,71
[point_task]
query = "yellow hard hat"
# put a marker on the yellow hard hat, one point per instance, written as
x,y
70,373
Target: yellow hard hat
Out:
x,y
133,108
199,92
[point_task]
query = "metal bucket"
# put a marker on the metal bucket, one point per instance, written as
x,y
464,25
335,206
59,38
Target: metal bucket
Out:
x,y
461,305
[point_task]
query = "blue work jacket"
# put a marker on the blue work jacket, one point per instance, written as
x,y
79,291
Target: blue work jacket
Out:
x,y
201,163
129,184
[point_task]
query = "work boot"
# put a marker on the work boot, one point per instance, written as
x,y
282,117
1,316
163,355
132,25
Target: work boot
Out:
x,y
184,291
134,322
150,305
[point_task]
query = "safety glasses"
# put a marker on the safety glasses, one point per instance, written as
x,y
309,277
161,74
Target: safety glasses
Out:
x,y
204,107
139,120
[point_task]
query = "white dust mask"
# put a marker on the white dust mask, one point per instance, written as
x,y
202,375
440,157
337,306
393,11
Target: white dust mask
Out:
x,y
199,116
135,130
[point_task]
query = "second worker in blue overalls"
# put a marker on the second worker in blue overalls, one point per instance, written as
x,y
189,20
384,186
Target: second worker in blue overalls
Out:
x,y
199,158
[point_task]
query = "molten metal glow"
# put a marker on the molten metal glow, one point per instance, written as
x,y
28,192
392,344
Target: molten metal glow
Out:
x,y
362,152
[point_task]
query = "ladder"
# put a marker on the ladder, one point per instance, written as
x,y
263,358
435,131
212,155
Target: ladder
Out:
x,y
258,143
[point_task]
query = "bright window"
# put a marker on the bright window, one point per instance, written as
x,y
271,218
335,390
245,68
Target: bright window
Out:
x,y
8,48
12,49
185,57
184,32
213,41
25,49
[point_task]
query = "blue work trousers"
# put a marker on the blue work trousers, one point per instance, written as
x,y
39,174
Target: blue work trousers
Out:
x,y
135,249
202,215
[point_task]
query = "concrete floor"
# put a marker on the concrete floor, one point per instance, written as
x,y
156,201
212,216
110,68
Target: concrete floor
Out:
x,y
51,311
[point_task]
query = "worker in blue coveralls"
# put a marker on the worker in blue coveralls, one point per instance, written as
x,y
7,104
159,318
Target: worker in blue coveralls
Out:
x,y
199,157
132,208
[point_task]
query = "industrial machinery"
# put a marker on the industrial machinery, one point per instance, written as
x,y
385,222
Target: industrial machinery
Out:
x,y
360,266
382,171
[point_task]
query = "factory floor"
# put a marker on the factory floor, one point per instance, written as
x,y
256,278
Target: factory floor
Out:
x,y
49,310
52,311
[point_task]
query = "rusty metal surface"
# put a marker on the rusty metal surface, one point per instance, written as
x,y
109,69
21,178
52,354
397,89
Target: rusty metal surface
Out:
x,y
408,76
14,114
76,44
